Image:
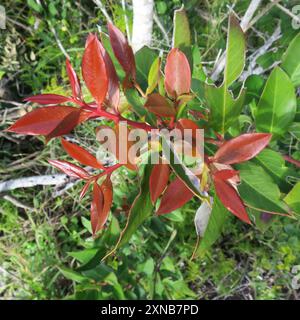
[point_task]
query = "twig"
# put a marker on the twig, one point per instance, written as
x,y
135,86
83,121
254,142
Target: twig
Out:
x,y
126,21
245,25
262,50
100,5
46,180
159,262
61,47
249,14
17,203
162,29
285,10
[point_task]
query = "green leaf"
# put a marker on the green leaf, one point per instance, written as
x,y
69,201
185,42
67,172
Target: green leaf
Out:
x,y
137,104
235,52
153,76
293,198
144,59
181,32
218,217
258,190
291,61
141,209
84,255
72,275
277,106
189,179
275,166
224,109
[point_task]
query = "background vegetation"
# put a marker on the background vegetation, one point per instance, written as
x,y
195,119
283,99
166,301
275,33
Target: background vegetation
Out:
x,y
41,228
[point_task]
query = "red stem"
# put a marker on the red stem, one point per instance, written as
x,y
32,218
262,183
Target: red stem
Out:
x,y
114,117
293,161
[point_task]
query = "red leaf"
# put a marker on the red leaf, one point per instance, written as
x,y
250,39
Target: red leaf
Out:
x,y
96,208
81,155
183,124
74,81
158,180
159,105
175,196
293,161
177,74
48,98
122,50
84,189
100,207
242,148
94,71
70,169
42,121
67,124
107,191
225,174
230,199
113,94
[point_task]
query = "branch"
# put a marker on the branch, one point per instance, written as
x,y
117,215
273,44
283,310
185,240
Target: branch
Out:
x,y
100,5
27,182
262,50
245,24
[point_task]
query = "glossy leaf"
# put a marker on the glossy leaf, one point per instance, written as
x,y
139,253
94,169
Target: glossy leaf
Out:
x,y
74,81
84,190
153,75
277,106
242,148
224,109
177,74
175,196
42,121
181,38
159,105
70,169
107,190
181,32
141,209
258,190
218,217
184,123
47,98
94,70
144,58
273,163
290,61
80,154
189,179
67,124
226,174
113,93
122,50
96,208
100,207
158,180
292,199
230,199
235,51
